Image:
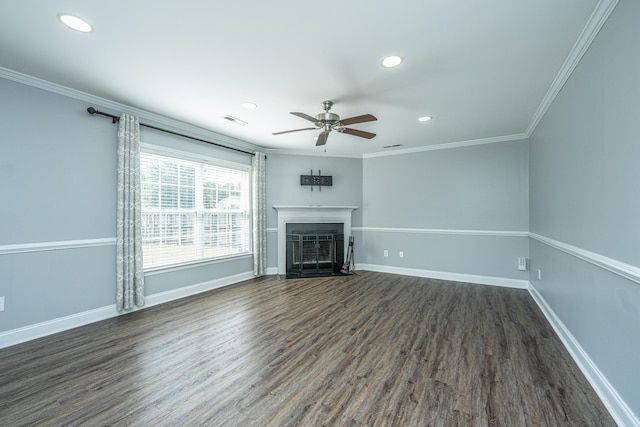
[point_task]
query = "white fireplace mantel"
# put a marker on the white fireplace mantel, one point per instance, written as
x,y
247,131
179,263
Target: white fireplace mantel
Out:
x,y
309,214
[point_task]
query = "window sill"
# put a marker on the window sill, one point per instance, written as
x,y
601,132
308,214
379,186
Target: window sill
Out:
x,y
185,265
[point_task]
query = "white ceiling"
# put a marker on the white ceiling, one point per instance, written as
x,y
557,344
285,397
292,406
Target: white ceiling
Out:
x,y
480,68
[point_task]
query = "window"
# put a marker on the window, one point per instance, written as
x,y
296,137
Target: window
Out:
x,y
192,210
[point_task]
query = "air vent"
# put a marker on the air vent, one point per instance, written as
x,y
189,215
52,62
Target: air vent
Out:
x,y
235,120
392,146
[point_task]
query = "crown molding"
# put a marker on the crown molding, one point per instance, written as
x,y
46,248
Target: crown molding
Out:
x,y
449,145
117,108
445,146
589,32
289,152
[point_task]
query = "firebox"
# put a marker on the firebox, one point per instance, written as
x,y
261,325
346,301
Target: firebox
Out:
x,y
314,250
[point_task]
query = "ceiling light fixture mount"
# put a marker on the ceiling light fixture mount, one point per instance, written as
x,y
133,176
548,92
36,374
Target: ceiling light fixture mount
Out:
x,y
75,22
391,61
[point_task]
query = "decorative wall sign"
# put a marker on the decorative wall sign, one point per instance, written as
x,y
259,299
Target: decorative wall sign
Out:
x,y
319,180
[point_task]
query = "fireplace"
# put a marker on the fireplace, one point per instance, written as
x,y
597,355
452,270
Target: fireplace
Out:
x,y
298,216
314,249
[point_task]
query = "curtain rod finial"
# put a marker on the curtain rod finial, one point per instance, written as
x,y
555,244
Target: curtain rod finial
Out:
x,y
91,110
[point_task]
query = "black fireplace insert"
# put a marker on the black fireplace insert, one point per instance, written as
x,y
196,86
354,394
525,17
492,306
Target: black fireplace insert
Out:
x,y
314,250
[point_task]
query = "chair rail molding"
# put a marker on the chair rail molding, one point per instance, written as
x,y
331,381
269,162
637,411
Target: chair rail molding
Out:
x,y
622,269
497,233
55,246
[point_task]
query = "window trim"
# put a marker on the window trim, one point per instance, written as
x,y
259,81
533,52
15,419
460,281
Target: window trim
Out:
x,y
161,269
201,158
193,157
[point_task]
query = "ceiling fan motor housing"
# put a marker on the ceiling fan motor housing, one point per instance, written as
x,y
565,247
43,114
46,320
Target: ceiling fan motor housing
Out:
x,y
327,117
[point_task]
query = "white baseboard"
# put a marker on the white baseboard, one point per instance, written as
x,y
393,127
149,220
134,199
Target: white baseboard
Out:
x,y
443,275
187,291
39,330
618,409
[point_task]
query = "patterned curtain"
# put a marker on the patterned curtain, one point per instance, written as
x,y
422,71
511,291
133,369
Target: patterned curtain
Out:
x,y
129,272
259,214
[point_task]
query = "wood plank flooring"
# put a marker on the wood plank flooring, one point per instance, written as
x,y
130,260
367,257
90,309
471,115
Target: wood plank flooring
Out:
x,y
371,349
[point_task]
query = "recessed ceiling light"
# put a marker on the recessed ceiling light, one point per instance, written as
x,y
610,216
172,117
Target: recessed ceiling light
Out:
x,y
75,22
249,105
391,61
424,118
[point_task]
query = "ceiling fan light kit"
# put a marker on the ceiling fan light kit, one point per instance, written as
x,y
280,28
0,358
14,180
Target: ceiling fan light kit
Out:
x,y
327,122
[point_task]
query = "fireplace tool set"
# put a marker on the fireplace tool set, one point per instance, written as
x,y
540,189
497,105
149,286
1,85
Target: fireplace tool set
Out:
x,y
349,264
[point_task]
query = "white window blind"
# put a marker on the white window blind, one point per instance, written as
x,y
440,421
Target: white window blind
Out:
x,y
192,210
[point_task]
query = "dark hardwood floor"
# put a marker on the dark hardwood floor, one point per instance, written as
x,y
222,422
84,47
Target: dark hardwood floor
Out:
x,y
370,349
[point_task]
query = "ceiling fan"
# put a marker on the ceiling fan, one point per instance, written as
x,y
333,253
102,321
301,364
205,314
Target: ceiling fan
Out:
x,y
330,121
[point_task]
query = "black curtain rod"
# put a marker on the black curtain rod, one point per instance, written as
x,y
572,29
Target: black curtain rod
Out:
x,y
116,119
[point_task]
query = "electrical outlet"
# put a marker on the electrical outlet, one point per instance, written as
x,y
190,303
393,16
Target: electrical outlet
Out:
x,y
401,254
1,303
386,252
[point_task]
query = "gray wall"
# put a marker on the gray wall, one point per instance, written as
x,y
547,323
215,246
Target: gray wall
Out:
x,y
56,168
584,193
469,191
283,183
57,183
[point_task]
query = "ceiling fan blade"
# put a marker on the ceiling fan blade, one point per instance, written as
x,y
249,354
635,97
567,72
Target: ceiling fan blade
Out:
x,y
358,119
294,130
357,132
322,138
305,116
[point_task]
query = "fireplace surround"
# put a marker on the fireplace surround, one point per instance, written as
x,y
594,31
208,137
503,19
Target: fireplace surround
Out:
x,y
311,215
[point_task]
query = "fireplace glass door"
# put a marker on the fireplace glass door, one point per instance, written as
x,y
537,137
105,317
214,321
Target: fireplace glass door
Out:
x,y
314,253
